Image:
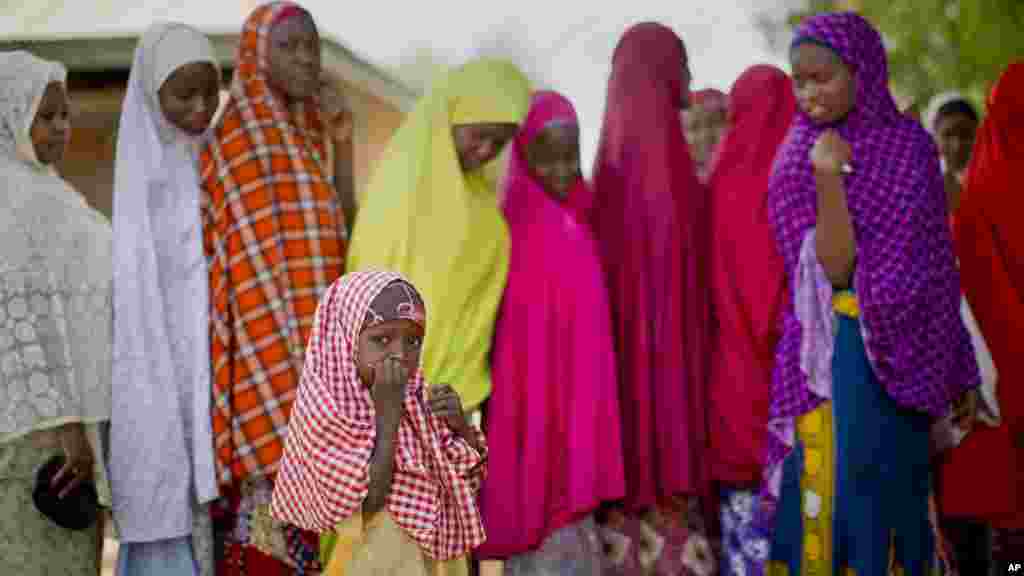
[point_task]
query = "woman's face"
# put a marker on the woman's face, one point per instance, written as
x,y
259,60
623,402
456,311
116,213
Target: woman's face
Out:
x,y
399,338
553,159
51,127
824,84
954,134
294,57
189,97
704,129
478,144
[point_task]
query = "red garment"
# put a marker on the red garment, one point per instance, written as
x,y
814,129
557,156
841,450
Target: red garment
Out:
x,y
650,223
324,476
983,478
748,279
240,555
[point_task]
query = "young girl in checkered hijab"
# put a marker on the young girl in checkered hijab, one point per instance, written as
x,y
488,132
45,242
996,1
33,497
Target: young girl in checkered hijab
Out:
x,y
374,453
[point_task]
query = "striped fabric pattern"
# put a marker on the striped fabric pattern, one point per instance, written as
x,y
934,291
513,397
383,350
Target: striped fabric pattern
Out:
x,y
274,235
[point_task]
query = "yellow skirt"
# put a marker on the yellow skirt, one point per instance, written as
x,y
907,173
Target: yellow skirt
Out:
x,y
379,547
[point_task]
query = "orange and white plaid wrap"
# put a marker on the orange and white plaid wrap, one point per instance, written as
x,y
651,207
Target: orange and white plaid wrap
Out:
x,y
324,475
274,235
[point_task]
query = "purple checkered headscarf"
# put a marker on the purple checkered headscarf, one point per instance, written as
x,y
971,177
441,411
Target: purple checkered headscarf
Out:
x,y
906,279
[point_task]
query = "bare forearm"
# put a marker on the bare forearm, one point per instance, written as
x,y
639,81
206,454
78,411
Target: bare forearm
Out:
x,y
344,181
382,464
834,241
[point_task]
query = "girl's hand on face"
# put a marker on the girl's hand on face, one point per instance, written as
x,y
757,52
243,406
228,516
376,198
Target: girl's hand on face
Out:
x,y
830,153
390,377
446,404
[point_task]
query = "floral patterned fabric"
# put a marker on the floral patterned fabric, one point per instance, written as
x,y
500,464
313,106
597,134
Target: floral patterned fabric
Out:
x,y
253,542
576,549
666,540
745,548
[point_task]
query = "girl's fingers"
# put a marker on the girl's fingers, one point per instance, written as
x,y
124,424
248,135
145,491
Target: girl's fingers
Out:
x,y
443,408
445,398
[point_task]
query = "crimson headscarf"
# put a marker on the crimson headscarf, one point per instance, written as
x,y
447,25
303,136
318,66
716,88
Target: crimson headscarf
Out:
x,y
747,275
650,221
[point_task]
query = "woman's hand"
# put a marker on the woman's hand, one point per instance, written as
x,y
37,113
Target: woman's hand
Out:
x,y
340,126
965,411
830,153
336,113
78,459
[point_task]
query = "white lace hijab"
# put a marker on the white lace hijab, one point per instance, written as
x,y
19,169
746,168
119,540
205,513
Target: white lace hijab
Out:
x,y
55,275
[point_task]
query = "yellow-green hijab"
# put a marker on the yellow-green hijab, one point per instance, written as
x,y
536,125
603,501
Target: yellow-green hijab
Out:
x,y
422,217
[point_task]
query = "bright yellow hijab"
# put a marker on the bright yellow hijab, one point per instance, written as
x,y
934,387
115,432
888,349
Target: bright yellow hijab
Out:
x,y
422,217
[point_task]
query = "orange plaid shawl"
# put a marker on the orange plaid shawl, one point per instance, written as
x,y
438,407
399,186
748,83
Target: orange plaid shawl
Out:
x,y
274,235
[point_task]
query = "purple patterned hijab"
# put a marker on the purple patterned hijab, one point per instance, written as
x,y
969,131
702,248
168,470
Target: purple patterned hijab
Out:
x,y
906,279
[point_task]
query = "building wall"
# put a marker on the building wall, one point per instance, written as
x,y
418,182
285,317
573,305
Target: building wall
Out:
x,y
375,122
89,162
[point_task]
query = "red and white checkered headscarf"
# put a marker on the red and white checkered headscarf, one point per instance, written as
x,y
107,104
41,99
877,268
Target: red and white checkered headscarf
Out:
x,y
324,475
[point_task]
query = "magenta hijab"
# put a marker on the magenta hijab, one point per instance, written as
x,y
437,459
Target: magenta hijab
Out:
x,y
553,430
521,194
651,224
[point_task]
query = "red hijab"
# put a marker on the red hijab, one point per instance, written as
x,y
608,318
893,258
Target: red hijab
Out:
x,y
990,244
649,218
748,281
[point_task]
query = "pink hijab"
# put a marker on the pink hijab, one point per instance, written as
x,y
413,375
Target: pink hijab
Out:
x,y
748,278
553,420
650,219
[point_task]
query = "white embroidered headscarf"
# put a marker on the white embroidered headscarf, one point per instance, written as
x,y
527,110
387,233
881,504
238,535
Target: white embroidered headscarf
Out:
x,y
55,275
161,414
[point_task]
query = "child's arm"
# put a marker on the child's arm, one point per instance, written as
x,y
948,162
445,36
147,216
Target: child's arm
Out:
x,y
466,447
388,392
473,437
382,463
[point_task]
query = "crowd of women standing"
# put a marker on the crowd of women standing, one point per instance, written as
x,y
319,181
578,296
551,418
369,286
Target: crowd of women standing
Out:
x,y
762,354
